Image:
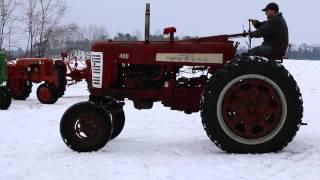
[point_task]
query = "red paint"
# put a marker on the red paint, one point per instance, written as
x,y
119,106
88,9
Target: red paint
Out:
x,y
45,94
169,30
32,69
140,53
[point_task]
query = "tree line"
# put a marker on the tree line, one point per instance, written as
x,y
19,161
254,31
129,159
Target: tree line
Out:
x,y
297,52
34,21
304,51
67,37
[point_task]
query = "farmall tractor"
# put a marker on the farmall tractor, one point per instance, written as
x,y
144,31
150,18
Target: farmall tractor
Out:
x,y
25,71
5,95
247,104
53,74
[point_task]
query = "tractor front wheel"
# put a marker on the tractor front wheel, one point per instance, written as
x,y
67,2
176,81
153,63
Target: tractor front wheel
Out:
x,y
47,94
84,127
5,98
114,110
20,89
252,105
118,122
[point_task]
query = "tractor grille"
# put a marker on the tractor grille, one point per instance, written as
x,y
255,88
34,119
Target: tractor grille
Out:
x,y
97,69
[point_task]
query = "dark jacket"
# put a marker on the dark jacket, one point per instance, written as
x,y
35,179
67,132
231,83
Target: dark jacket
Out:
x,y
274,32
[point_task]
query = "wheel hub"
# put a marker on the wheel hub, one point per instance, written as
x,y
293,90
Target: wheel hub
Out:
x,y
252,108
86,127
45,94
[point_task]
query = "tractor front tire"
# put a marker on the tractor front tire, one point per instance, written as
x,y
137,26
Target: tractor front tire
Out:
x,y
47,94
5,98
251,105
20,89
118,122
84,127
115,110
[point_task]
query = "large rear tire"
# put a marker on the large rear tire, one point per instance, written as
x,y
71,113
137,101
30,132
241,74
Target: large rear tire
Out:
x,y
61,80
5,98
84,127
252,105
20,89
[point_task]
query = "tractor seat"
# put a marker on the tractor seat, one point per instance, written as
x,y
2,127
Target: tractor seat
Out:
x,y
277,58
280,56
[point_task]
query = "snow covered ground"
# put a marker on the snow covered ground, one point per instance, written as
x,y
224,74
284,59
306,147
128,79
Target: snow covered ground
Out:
x,y
155,144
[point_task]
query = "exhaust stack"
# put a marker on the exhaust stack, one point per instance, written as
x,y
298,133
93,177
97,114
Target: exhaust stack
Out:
x,y
147,23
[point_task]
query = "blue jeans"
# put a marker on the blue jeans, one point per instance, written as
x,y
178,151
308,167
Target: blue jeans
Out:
x,y
263,50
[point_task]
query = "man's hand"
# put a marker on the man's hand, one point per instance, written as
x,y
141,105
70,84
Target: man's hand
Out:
x,y
254,21
251,35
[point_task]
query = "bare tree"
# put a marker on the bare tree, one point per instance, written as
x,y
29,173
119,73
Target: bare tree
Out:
x,y
99,33
41,16
95,32
7,18
71,36
10,32
31,20
64,37
51,12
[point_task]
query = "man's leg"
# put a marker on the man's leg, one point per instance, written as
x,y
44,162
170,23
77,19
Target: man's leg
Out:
x,y
263,50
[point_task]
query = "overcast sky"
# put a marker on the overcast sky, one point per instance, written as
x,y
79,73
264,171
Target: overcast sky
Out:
x,y
195,17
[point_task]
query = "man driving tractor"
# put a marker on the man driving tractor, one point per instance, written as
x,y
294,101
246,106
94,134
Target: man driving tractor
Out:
x,y
274,32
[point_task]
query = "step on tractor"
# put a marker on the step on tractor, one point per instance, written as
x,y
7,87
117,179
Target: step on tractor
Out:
x,y
25,71
5,95
247,104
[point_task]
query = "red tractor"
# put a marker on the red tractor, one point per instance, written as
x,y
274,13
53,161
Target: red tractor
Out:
x,y
23,72
76,70
247,104
53,73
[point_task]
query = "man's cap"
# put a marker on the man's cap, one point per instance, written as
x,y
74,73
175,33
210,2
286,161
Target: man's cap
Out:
x,y
271,6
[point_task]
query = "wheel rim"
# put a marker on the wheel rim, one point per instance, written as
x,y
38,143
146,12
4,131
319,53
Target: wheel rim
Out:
x,y
86,127
45,94
252,109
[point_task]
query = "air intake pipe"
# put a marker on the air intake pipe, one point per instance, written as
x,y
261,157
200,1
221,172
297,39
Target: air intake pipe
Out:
x,y
147,24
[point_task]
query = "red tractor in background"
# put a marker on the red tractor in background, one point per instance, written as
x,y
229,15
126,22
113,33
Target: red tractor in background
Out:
x,y
54,74
247,104
25,71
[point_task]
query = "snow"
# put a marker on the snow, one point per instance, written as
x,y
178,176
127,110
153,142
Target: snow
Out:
x,y
155,144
